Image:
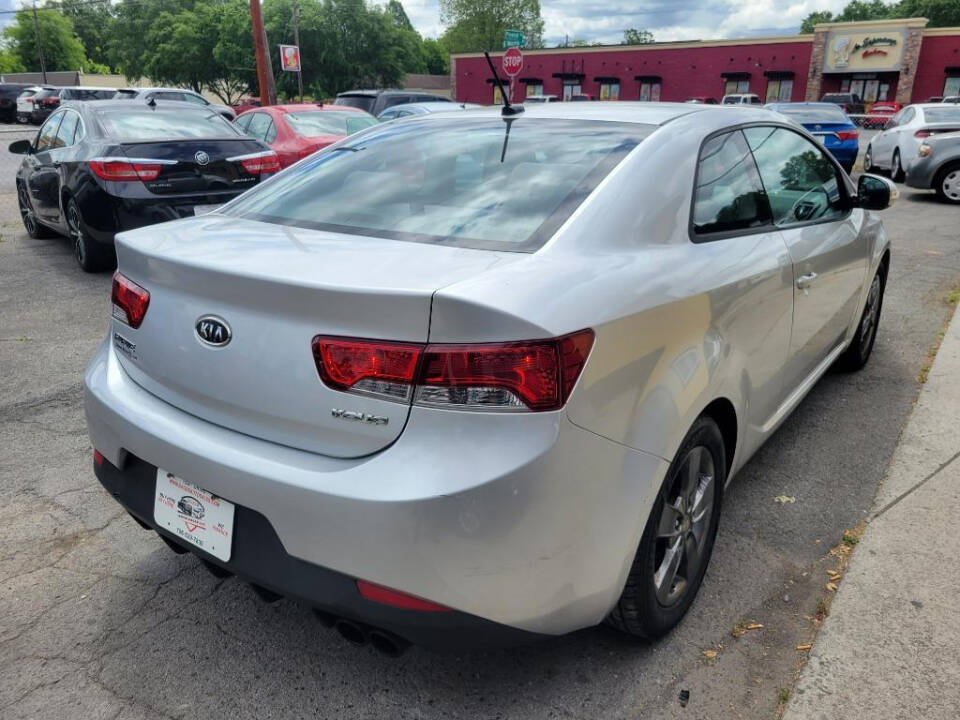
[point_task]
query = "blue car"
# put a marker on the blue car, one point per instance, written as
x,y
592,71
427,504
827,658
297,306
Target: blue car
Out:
x,y
829,124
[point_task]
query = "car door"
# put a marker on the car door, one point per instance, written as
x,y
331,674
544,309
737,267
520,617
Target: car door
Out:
x,y
882,143
69,133
810,203
43,177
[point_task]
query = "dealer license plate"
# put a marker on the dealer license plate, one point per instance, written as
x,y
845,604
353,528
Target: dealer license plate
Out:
x,y
193,514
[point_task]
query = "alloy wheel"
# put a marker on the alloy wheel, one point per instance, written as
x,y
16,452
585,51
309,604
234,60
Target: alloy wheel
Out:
x,y
950,185
26,214
868,160
868,327
684,527
76,233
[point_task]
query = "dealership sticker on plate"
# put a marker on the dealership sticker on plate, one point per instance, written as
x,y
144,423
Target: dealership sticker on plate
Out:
x,y
193,514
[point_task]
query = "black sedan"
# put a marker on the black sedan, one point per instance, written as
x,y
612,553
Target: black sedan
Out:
x,y
97,168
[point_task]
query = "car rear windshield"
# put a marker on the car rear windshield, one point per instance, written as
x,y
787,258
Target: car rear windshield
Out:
x,y
947,114
838,98
152,124
83,94
364,102
813,115
479,182
313,123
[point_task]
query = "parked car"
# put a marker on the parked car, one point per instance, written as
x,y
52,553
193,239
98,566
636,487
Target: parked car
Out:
x,y
9,92
376,101
702,100
582,97
741,99
461,394
95,169
896,146
46,103
295,131
399,111
541,99
880,114
37,112
850,103
827,123
25,100
937,167
954,99
935,99
176,94
245,104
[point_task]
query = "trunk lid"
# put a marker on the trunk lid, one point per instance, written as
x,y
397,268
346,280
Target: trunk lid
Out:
x,y
277,287
197,166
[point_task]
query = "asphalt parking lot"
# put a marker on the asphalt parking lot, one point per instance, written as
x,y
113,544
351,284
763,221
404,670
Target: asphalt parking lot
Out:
x,y
99,619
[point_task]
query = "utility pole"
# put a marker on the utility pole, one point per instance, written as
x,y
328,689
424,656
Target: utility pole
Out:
x,y
36,32
268,91
296,41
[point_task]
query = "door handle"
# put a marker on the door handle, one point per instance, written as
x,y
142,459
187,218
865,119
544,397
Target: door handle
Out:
x,y
805,281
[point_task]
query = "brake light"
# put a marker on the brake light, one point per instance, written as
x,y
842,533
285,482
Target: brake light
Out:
x,y
395,598
922,134
130,301
98,458
848,134
124,170
537,375
267,162
28,100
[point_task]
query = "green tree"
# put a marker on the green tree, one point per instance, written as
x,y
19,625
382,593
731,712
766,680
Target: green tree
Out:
x,y
815,18
941,13
10,61
62,49
92,20
474,25
632,36
436,57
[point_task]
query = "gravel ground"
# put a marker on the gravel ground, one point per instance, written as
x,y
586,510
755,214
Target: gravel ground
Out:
x,y
98,619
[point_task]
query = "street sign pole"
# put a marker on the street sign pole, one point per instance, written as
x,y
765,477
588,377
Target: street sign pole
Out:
x,y
296,40
268,92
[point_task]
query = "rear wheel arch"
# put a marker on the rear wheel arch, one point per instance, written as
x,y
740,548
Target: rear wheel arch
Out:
x,y
942,172
724,414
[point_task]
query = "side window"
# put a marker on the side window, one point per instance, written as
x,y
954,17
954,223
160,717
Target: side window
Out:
x,y
69,127
802,183
169,96
271,134
243,121
728,195
259,124
190,97
47,137
907,116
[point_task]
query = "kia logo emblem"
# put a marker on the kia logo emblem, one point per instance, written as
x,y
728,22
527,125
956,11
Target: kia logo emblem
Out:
x,y
201,157
213,331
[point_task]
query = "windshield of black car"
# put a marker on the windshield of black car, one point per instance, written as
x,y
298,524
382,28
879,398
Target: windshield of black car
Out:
x,y
460,182
314,123
945,114
135,123
831,114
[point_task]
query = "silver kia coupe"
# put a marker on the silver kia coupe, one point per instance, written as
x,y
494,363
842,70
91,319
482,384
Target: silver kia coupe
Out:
x,y
473,379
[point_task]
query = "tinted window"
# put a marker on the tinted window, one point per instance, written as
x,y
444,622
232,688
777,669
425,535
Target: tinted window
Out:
x,y
156,124
168,96
47,138
243,121
391,100
906,116
125,95
728,194
259,124
190,97
443,181
271,134
945,114
328,122
68,129
84,94
364,102
802,184
822,114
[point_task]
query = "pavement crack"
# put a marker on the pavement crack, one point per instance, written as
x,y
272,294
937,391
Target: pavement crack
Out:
x,y
913,489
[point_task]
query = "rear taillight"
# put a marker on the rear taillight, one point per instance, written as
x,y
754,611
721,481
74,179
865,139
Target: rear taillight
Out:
x,y
130,301
847,134
922,134
537,375
120,170
259,163
98,458
397,599
28,100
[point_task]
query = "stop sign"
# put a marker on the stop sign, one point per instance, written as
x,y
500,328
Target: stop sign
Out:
x,y
512,61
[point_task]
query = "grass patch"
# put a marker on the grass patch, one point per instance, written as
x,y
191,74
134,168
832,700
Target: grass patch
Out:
x,y
783,694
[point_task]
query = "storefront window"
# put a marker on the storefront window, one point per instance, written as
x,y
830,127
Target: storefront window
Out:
x,y
780,90
650,92
571,88
731,87
534,89
951,86
610,91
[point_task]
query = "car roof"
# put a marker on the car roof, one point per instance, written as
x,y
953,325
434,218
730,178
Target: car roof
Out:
x,y
156,89
85,87
304,107
811,105
388,91
435,106
165,106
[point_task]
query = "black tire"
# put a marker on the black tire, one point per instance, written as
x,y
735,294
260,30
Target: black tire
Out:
x,y
34,229
868,165
645,609
896,168
947,184
91,255
861,347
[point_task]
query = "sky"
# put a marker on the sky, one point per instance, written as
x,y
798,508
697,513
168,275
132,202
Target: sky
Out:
x,y
605,20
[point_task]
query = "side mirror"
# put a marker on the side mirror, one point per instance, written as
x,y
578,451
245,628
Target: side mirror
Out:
x,y
875,192
21,147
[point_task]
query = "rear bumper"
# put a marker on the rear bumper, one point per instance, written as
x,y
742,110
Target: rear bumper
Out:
x,y
845,154
522,520
920,174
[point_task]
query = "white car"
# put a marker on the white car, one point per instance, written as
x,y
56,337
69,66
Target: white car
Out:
x,y
896,146
741,99
25,103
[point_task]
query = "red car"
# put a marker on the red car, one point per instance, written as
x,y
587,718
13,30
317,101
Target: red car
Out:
x,y
881,112
295,131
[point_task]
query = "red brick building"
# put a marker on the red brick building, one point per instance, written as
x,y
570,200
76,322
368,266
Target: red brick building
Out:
x,y
898,60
